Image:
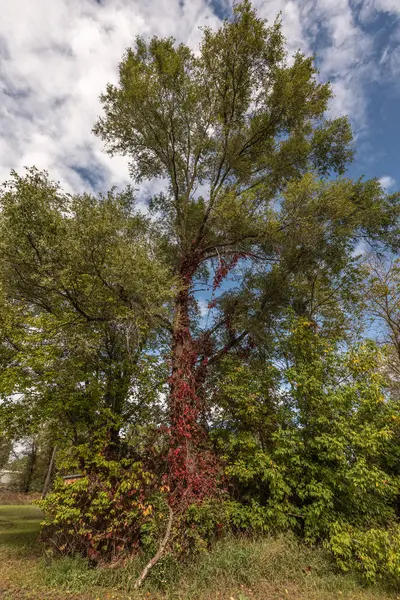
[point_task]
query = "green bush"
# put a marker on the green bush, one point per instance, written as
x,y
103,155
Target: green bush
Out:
x,y
112,511
375,553
316,446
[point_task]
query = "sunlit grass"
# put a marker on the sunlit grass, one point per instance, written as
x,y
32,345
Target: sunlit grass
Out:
x,y
239,569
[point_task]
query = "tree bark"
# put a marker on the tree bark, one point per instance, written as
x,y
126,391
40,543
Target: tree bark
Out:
x,y
30,468
49,472
182,397
191,465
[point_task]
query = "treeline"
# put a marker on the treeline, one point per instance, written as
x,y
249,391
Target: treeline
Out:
x,y
204,362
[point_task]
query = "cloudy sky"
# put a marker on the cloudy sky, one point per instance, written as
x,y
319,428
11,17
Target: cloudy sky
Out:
x,y
56,57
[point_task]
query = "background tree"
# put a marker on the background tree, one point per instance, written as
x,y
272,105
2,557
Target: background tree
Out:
x,y
5,451
383,298
382,310
85,294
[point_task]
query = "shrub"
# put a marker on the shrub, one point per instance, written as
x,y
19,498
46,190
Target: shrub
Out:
x,y
375,553
114,509
330,450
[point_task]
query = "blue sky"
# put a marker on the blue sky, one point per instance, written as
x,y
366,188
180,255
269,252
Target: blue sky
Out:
x,y
56,57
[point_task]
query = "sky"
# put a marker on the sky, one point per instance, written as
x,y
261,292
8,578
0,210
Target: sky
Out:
x,y
56,57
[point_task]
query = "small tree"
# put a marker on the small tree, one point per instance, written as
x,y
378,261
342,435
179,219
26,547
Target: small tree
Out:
x,y
383,298
5,451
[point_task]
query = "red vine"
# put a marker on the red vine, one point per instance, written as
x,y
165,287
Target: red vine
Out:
x,y
192,467
224,267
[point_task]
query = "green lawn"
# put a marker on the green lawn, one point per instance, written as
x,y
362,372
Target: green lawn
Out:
x,y
19,526
265,569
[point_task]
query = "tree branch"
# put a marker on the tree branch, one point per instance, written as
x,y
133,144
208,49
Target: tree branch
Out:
x,y
160,552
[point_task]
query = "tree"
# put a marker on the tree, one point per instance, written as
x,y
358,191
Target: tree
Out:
x,y
383,297
83,293
239,134
382,303
5,451
312,443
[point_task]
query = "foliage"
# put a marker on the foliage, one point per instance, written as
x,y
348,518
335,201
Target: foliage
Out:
x,y
375,553
110,512
319,449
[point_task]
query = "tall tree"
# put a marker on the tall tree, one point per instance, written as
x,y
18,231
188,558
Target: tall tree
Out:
x,y
230,128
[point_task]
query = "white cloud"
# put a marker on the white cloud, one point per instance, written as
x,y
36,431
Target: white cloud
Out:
x,y
387,182
370,7
203,307
344,56
345,52
56,57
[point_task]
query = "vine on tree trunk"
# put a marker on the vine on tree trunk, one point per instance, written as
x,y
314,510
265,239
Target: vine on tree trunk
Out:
x,y
193,468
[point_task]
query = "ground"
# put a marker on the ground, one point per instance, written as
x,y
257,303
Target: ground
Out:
x,y
267,569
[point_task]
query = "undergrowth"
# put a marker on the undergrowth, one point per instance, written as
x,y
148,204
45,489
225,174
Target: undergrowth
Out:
x,y
241,569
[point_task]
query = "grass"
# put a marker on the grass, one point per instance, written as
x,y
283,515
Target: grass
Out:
x,y
19,525
237,569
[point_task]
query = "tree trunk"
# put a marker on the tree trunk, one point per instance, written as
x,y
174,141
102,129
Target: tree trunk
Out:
x,y
30,468
49,472
192,468
160,552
